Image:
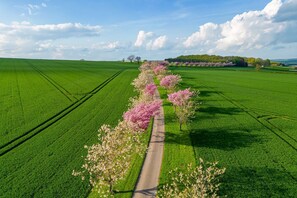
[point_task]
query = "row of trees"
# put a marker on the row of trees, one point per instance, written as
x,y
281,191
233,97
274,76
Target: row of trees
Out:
x,y
202,64
108,161
195,181
132,58
214,59
182,100
258,61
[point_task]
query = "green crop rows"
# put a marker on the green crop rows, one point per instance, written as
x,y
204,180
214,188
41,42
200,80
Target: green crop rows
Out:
x,y
247,121
49,110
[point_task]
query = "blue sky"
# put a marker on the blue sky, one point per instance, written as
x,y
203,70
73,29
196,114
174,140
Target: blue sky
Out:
x,y
152,29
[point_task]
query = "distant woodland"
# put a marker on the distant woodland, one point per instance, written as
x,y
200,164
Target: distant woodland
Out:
x,y
231,60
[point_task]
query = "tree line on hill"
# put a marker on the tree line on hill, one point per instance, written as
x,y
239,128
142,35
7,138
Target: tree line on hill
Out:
x,y
132,58
235,60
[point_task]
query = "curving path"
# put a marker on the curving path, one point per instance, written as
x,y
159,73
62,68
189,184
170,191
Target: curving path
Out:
x,y
149,176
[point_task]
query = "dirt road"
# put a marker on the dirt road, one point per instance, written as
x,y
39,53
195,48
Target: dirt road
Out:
x,y
149,176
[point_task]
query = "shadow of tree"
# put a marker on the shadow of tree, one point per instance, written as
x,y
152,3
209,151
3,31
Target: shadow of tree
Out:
x,y
188,82
220,110
224,139
207,93
257,182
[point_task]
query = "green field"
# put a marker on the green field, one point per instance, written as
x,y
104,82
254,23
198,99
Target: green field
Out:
x,y
49,110
247,121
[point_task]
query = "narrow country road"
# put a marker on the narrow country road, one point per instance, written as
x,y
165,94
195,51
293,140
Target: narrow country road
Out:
x,y
149,176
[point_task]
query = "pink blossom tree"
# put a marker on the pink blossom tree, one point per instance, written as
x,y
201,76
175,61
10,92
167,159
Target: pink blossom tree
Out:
x,y
150,90
160,71
138,117
180,98
169,82
184,106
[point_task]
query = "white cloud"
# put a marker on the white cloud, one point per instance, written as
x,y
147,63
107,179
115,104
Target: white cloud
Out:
x,y
142,37
249,30
34,8
23,38
206,34
109,46
272,8
150,41
158,43
26,30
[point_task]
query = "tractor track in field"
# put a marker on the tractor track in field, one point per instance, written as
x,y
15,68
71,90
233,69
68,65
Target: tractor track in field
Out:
x,y
19,94
273,115
9,146
265,123
267,118
60,88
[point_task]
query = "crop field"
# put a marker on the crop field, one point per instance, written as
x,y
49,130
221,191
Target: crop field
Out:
x,y
49,110
247,121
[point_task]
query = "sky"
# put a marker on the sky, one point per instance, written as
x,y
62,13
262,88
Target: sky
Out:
x,y
151,29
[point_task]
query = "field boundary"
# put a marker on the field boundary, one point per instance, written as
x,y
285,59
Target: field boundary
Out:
x,y
7,147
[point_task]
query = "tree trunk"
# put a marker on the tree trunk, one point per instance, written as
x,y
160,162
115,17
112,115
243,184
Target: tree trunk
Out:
x,y
110,189
110,186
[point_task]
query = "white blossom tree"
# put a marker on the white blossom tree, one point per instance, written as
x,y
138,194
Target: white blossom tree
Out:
x,y
201,181
106,162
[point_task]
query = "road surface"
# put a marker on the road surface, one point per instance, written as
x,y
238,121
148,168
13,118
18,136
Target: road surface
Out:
x,y
149,176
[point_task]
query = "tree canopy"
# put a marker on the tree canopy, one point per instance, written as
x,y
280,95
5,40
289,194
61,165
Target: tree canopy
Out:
x,y
237,60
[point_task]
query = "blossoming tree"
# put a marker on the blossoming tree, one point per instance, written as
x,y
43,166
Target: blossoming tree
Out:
x,y
201,181
160,71
143,79
184,106
169,82
138,117
106,162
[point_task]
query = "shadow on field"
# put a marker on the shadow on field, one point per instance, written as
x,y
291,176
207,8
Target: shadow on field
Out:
x,y
207,93
224,139
257,182
211,112
220,110
195,85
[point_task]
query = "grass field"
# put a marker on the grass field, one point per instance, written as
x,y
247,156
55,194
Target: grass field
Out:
x,y
49,110
247,121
